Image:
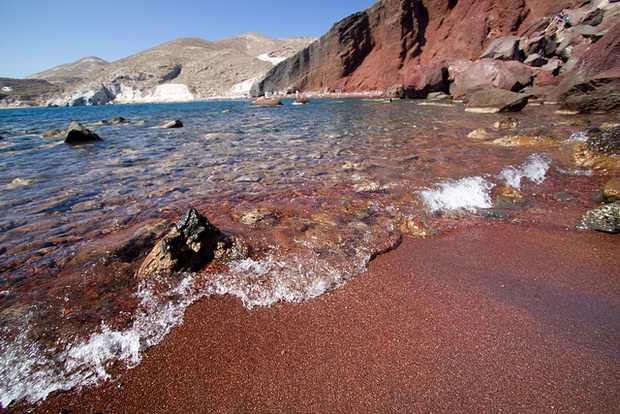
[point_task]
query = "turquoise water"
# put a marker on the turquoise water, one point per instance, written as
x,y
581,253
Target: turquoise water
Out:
x,y
315,190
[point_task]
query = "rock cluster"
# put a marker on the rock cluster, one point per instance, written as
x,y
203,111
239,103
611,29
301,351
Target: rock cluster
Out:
x,y
601,150
191,244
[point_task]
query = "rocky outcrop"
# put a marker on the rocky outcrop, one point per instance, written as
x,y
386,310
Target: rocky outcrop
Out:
x,y
190,245
79,134
506,75
378,47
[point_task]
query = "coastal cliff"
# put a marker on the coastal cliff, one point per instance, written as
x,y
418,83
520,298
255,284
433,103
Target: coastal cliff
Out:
x,y
400,41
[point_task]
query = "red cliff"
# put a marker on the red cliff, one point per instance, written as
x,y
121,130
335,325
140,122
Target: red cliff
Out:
x,y
386,44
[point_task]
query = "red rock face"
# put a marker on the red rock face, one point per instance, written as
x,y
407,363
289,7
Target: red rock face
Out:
x,y
376,48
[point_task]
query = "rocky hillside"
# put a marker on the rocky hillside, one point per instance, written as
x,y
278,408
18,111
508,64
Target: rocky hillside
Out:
x,y
24,92
419,46
71,72
184,70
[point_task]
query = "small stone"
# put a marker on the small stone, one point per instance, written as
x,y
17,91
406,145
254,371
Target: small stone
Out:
x,y
509,198
611,190
173,124
506,123
479,133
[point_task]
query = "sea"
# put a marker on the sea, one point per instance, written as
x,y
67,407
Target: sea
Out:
x,y
317,191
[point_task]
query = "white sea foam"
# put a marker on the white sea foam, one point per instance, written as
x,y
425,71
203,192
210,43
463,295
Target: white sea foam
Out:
x,y
29,372
534,169
469,193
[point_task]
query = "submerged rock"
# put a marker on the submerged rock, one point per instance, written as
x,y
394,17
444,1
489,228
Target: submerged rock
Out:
x,y
509,198
57,133
78,133
479,134
605,218
190,245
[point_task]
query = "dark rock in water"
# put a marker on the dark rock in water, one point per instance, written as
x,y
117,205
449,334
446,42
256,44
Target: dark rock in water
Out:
x,y
173,124
605,218
78,133
1,138
267,102
489,100
494,214
301,101
118,120
57,133
190,245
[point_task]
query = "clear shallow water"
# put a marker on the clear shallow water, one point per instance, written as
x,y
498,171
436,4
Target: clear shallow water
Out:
x,y
316,190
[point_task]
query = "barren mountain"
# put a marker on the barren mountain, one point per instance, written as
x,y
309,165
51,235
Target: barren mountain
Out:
x,y
184,70
71,72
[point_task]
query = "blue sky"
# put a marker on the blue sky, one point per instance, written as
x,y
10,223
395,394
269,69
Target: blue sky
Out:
x,y
36,35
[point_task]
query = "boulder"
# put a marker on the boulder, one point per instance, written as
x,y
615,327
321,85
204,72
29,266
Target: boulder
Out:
x,y
267,102
542,45
510,76
173,124
535,60
190,245
505,48
420,80
605,218
593,18
78,133
491,100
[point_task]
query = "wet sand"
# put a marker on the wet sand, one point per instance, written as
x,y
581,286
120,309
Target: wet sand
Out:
x,y
498,318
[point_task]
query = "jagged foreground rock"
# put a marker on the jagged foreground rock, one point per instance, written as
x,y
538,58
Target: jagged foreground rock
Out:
x,y
190,245
184,70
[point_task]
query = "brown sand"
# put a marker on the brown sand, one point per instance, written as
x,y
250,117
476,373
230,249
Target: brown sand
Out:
x,y
499,319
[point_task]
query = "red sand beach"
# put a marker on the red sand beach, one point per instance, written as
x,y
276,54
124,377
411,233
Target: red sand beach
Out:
x,y
499,318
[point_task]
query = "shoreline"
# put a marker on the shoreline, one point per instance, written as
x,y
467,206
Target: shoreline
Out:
x,y
497,318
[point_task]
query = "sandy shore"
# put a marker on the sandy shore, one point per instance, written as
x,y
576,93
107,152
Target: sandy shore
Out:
x,y
500,319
